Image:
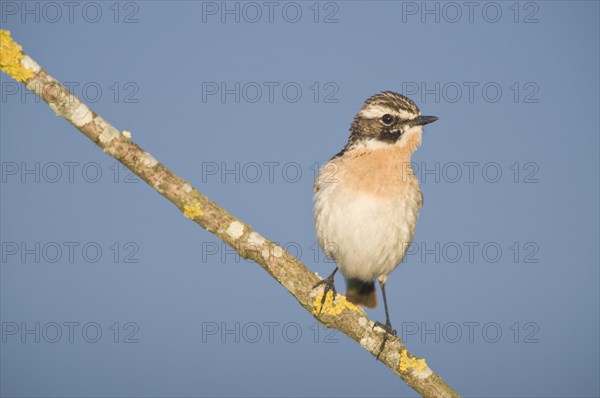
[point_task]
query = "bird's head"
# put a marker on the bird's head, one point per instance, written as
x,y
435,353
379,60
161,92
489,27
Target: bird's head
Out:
x,y
388,119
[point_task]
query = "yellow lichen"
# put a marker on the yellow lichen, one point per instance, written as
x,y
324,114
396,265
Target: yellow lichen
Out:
x,y
332,307
10,58
409,362
126,134
192,211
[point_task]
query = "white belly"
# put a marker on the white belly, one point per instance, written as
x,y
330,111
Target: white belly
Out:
x,y
366,235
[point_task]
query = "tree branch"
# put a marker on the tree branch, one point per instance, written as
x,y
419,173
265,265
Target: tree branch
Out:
x,y
280,264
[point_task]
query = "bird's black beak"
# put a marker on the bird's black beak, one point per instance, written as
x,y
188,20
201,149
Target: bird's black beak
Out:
x,y
423,120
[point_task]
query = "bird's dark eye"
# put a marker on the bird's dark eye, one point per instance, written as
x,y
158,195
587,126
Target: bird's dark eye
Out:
x,y
387,119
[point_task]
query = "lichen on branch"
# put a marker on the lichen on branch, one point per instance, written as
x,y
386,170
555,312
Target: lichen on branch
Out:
x,y
11,57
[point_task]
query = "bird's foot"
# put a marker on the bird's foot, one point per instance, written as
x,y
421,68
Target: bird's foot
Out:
x,y
329,287
387,327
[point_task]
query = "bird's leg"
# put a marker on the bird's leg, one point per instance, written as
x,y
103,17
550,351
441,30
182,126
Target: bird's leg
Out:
x,y
329,286
388,326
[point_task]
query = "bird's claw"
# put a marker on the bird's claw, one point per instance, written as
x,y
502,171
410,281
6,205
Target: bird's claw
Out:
x,y
329,287
387,327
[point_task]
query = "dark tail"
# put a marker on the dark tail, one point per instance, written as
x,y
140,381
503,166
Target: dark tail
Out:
x,y
361,292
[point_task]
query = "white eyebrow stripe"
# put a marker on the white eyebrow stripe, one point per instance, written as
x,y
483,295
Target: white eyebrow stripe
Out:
x,y
377,111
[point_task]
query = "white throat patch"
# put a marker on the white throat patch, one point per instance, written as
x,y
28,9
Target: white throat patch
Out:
x,y
373,144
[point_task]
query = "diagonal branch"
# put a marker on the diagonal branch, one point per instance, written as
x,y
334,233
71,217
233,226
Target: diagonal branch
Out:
x,y
280,264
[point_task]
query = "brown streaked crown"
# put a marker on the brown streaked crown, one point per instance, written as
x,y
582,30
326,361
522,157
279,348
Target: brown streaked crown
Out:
x,y
394,100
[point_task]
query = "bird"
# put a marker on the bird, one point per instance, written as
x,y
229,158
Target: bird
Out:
x,y
367,199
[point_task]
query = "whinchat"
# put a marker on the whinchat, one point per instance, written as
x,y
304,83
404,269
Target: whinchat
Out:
x,y
367,198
